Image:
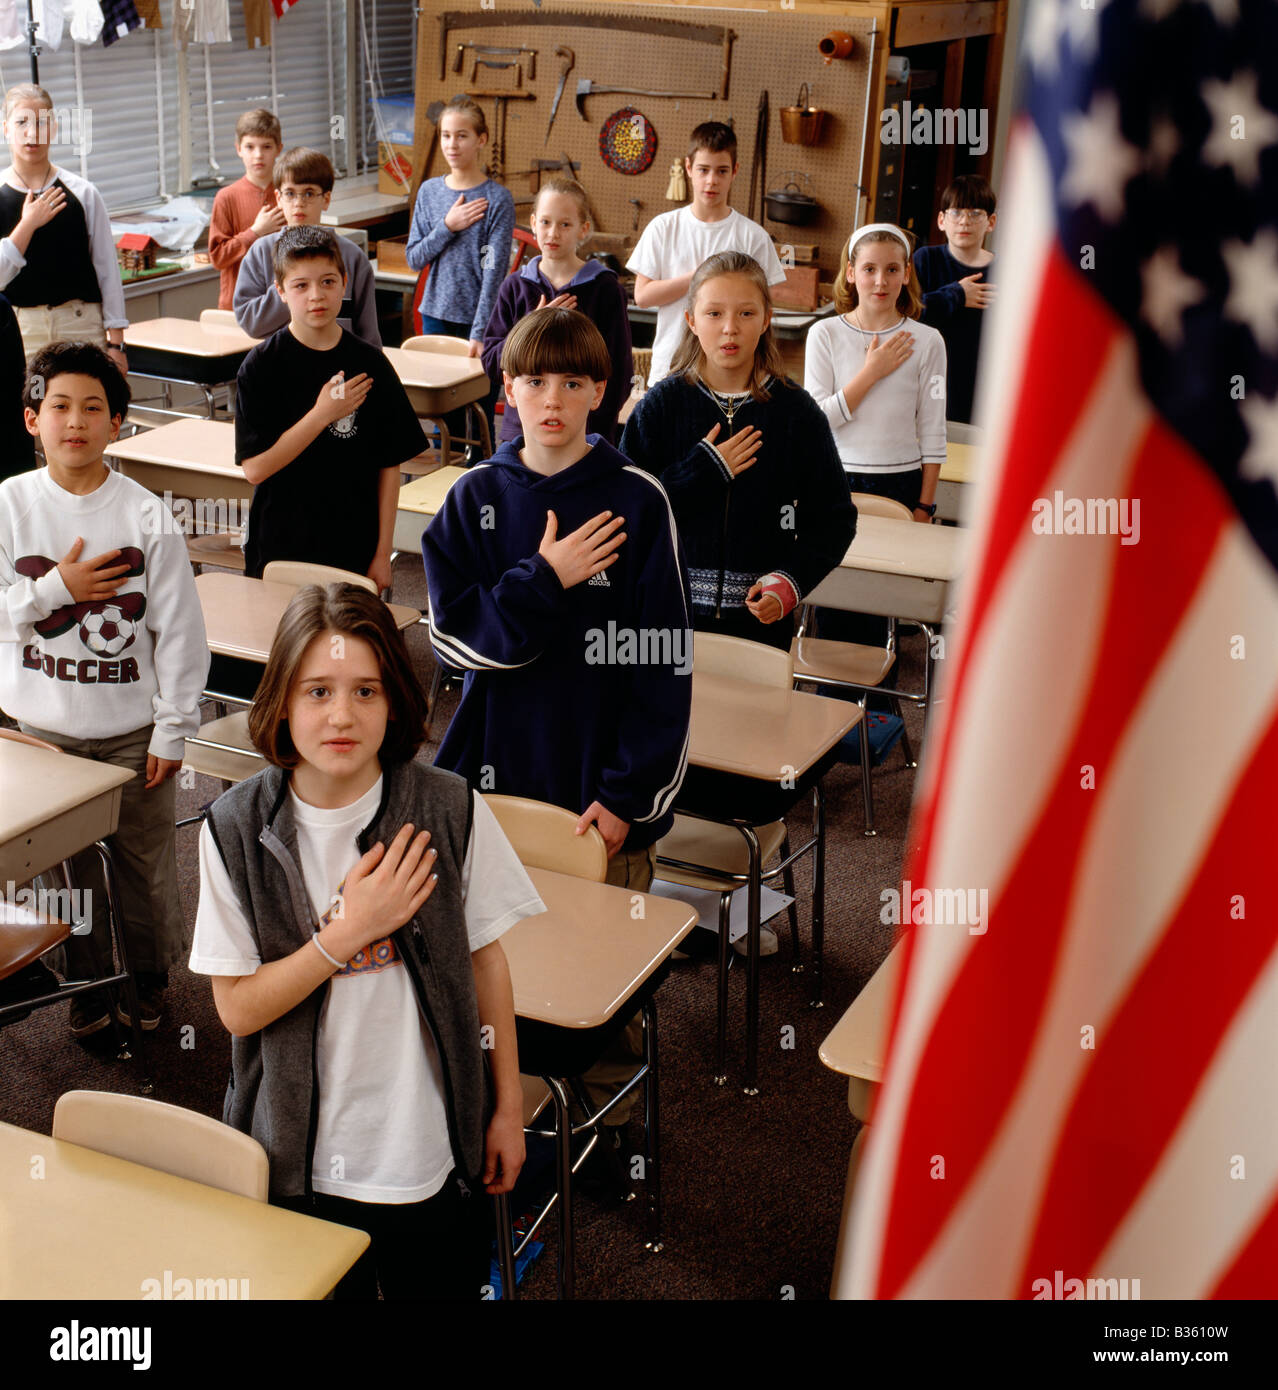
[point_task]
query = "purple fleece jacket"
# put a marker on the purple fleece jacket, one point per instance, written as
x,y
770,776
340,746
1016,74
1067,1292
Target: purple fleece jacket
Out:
x,y
602,300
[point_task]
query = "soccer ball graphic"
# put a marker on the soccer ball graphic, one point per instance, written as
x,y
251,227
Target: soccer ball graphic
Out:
x,y
107,632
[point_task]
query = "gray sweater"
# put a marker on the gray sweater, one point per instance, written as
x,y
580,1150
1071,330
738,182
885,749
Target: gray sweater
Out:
x,y
272,1093
260,311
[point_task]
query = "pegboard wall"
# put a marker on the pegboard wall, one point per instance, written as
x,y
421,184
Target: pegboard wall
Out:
x,y
776,52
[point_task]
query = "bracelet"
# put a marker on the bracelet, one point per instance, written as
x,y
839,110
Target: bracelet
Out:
x,y
337,964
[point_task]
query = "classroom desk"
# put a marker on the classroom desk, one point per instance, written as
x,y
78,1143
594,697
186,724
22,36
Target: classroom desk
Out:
x,y
896,569
52,805
958,470
574,966
242,614
357,203
772,738
418,503
438,382
187,458
188,352
95,1226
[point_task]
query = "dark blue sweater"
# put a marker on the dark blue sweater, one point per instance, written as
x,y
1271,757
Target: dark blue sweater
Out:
x,y
576,695
602,300
944,308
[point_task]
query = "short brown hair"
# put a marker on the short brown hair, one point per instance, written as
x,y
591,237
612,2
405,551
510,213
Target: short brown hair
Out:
x,y
556,340
350,611
767,356
260,122
300,165
306,244
570,188
472,110
713,137
969,191
75,359
909,302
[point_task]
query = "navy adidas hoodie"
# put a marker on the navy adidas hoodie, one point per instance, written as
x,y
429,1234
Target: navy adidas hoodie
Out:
x,y
571,696
602,300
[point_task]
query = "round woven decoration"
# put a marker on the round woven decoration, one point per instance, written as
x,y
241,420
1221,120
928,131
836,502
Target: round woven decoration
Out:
x,y
628,141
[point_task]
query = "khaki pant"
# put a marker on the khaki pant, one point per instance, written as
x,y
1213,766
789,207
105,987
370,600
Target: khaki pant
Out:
x,y
75,322
633,870
145,863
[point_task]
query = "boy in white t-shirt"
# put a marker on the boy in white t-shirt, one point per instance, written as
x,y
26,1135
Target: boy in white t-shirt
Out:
x,y
674,244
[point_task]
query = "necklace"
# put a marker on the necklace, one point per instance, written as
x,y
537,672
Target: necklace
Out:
x,y
26,185
734,402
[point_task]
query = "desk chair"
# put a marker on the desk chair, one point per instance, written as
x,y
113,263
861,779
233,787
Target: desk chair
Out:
x,y
724,857
856,665
481,437
544,836
23,944
302,572
165,1137
218,318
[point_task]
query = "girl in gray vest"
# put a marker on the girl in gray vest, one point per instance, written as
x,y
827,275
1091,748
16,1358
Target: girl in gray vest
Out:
x,y
351,901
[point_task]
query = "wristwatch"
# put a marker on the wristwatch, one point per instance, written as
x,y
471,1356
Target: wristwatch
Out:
x,y
928,507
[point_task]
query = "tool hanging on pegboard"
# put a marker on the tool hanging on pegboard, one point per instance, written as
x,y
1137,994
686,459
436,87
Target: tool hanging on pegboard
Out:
x,y
567,58
628,141
759,162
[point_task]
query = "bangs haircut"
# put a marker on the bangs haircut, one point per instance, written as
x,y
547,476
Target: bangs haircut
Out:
x,y
306,244
260,122
969,191
300,165
75,359
909,302
569,188
559,341
688,356
715,138
348,611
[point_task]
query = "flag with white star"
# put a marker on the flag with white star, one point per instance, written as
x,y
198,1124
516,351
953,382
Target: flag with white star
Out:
x,y
1082,1096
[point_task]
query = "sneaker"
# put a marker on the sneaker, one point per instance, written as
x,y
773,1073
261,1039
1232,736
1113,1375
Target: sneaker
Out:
x,y
150,988
89,1014
767,943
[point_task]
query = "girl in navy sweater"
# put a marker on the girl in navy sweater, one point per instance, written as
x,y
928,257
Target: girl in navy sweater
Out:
x,y
559,278
747,459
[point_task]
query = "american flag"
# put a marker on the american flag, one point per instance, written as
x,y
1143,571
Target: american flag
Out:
x,y
1089,1090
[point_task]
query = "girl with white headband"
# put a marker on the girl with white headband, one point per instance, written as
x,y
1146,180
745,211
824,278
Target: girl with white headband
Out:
x,y
879,374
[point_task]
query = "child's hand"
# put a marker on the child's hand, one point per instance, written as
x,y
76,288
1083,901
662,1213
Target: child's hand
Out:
x,y
475,347
613,829
339,397
269,219
385,889
739,451
380,572
159,770
90,581
39,208
884,356
504,1152
463,214
591,547
977,296
560,301
766,607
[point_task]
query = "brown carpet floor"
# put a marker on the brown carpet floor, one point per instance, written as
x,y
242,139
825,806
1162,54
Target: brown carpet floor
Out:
x,y
752,1186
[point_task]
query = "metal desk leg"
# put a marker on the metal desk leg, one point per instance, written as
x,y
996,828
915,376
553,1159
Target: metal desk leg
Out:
x,y
721,1030
651,1131
130,986
563,1168
505,1246
818,894
753,893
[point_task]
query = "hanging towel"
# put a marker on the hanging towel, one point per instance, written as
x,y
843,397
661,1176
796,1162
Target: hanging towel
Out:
x,y
119,17
207,21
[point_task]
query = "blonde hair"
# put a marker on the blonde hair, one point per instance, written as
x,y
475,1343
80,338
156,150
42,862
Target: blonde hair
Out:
x,y
25,93
909,302
689,356
569,188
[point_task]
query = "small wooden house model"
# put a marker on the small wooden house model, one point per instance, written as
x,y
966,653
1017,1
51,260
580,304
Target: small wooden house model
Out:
x,y
137,251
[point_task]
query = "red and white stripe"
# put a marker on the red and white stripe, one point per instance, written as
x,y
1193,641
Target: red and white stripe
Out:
x,y
1153,1155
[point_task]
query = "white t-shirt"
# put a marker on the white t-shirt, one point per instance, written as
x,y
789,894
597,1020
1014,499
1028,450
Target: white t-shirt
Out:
x,y
900,423
383,1128
675,243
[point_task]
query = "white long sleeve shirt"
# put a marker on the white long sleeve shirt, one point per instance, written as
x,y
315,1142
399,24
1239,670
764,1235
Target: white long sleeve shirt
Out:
x,y
96,670
900,422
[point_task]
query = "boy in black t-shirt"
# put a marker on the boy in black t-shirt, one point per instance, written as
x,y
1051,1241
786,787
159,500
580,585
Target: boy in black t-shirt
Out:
x,y
322,425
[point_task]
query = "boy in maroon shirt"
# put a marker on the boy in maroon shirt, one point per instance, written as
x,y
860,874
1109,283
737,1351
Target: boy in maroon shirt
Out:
x,y
246,209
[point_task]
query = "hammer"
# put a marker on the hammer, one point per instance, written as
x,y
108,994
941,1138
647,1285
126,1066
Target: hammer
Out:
x,y
586,87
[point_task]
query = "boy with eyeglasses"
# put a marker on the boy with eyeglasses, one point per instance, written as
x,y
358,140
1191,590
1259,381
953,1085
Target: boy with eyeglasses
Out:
x,y
957,283
304,184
